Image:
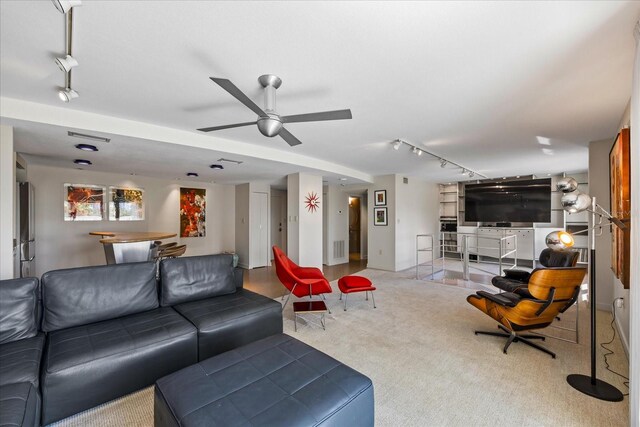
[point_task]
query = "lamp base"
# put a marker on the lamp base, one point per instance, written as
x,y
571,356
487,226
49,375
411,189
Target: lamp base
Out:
x,y
600,390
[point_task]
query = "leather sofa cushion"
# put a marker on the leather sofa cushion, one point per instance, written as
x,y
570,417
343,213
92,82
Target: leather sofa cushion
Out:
x,y
277,381
92,364
19,309
233,320
79,296
19,405
20,361
187,279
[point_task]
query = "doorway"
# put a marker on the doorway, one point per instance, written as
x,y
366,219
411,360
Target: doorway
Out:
x,y
355,228
278,220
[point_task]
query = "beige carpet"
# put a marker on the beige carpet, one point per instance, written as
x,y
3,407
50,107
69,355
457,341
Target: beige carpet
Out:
x,y
429,369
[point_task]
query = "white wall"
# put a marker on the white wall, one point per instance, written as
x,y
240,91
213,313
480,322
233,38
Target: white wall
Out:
x,y
7,202
65,244
623,313
337,223
305,233
416,213
242,222
599,188
382,239
364,227
293,212
634,303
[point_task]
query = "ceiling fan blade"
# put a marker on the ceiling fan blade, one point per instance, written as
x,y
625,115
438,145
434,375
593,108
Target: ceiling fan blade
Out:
x,y
236,125
287,136
239,95
316,117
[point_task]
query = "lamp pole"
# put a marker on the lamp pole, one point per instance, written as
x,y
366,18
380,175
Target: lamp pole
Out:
x,y
590,384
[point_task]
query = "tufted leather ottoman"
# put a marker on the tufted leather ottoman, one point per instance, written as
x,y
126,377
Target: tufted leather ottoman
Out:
x,y
350,284
276,381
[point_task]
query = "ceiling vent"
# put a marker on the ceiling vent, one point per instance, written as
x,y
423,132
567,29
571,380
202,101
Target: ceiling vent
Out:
x,y
90,137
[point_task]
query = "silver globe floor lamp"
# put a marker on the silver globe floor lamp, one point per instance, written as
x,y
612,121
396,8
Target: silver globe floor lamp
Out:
x,y
574,201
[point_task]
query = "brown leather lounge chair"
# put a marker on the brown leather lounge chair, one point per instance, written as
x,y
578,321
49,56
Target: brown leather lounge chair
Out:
x,y
551,289
513,280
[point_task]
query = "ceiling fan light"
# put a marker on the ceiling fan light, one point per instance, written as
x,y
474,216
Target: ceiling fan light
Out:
x,y
65,6
67,63
67,94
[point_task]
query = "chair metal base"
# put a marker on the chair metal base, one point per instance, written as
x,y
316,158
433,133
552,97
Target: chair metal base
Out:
x,y
514,337
366,294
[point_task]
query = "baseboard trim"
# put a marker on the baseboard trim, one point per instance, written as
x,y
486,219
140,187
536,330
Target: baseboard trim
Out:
x,y
623,339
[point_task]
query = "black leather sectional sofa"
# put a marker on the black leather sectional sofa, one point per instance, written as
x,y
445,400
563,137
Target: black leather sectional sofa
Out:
x,y
110,330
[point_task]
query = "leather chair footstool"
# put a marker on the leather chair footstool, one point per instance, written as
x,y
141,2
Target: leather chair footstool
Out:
x,y
350,284
276,381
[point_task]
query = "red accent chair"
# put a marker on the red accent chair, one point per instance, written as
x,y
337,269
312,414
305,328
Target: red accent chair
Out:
x,y
300,281
350,284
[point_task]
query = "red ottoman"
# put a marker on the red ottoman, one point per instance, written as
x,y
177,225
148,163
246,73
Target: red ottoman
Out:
x,y
349,284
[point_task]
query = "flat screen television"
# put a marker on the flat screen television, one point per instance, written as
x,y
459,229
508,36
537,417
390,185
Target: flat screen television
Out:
x,y
508,201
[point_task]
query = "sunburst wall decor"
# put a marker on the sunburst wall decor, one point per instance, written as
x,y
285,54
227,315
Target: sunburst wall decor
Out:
x,y
312,202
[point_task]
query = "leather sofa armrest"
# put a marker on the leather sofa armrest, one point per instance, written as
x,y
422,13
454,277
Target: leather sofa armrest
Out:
x,y
519,275
238,277
506,299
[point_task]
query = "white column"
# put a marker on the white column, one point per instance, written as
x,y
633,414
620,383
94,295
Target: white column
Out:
x,y
634,291
304,225
7,202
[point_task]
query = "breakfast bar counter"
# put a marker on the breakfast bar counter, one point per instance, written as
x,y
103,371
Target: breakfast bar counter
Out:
x,y
121,247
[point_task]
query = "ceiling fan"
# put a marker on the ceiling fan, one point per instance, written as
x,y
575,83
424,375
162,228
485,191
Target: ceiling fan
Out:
x,y
269,122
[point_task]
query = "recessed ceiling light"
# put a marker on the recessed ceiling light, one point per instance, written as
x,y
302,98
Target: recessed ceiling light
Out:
x,y
82,162
86,147
65,6
67,63
85,136
216,166
67,94
192,174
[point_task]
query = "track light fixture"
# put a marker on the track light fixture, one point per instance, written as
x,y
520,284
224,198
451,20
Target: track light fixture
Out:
x,y
65,6
443,162
67,63
67,94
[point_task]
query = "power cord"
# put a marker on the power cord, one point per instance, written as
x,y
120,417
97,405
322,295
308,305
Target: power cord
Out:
x,y
609,351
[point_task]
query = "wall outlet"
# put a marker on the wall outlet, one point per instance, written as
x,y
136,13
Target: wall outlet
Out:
x,y
620,302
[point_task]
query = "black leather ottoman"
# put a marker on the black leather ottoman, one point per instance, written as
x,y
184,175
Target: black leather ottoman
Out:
x,y
277,381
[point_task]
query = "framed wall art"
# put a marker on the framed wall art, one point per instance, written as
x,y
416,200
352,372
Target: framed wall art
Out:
x,y
192,212
84,202
126,204
380,216
380,198
620,184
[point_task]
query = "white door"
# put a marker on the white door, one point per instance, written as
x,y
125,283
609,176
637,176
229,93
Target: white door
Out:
x,y
259,230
